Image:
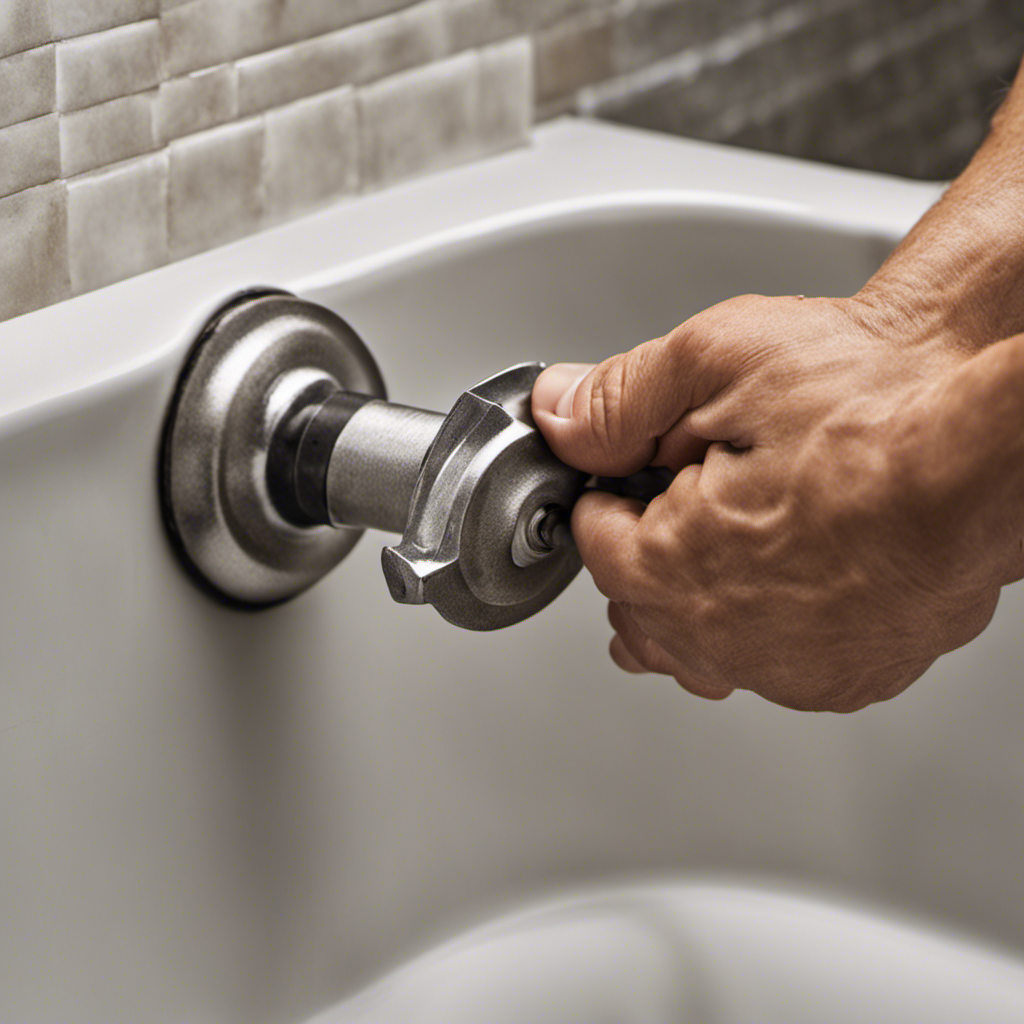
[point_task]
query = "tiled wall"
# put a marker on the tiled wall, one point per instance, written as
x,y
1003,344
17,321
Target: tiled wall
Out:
x,y
903,86
133,132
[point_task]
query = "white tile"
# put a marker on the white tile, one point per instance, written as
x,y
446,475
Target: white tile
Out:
x,y
260,24
79,17
532,14
198,34
506,93
473,23
24,24
107,65
401,41
196,102
291,72
29,155
354,55
203,33
34,256
117,222
302,19
378,8
419,120
216,187
104,134
573,53
27,86
312,153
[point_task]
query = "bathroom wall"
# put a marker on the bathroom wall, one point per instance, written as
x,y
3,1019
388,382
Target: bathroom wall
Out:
x,y
134,132
903,86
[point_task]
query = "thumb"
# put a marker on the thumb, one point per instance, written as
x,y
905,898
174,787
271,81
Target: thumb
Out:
x,y
614,418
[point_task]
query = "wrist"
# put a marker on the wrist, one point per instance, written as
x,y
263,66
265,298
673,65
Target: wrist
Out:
x,y
961,450
960,270
966,284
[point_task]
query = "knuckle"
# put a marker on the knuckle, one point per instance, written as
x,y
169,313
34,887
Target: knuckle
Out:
x,y
686,335
605,402
611,583
653,656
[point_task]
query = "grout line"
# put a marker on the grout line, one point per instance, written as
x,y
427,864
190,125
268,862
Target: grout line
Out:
x,y
687,64
865,53
864,59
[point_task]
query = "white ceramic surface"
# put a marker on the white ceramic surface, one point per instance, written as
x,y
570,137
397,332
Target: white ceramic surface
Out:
x,y
695,953
208,815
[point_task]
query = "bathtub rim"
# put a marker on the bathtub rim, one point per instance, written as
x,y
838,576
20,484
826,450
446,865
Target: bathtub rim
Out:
x,y
45,359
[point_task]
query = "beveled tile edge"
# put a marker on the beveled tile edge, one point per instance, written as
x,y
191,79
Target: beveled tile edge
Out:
x,y
132,116
506,93
34,24
35,144
186,239
41,62
286,200
137,42
38,275
402,137
500,36
223,78
90,263
116,13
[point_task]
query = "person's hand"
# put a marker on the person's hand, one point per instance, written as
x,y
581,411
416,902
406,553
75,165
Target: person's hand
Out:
x,y
838,518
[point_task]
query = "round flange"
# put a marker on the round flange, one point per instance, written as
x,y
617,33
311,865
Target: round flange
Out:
x,y
258,361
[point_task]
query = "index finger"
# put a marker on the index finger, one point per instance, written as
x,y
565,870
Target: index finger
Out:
x,y
604,528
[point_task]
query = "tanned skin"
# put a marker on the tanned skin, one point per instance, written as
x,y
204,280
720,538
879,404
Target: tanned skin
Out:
x,y
849,497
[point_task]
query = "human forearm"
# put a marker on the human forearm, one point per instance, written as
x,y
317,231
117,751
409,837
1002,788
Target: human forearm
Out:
x,y
962,454
961,269
837,535
849,489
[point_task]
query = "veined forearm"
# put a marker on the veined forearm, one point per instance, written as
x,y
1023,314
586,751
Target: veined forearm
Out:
x,y
960,271
993,427
963,456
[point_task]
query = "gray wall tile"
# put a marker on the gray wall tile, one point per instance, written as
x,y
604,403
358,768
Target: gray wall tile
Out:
x,y
535,14
27,85
106,65
117,222
506,93
312,153
286,74
216,187
202,33
104,134
419,120
573,53
474,23
34,256
355,55
196,102
79,17
858,82
131,75
197,34
653,29
302,19
29,154
378,8
401,41
24,24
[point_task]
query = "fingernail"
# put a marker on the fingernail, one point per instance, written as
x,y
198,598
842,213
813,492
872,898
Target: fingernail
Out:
x,y
557,385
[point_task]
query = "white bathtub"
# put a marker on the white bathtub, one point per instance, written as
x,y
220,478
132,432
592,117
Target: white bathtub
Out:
x,y
213,815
